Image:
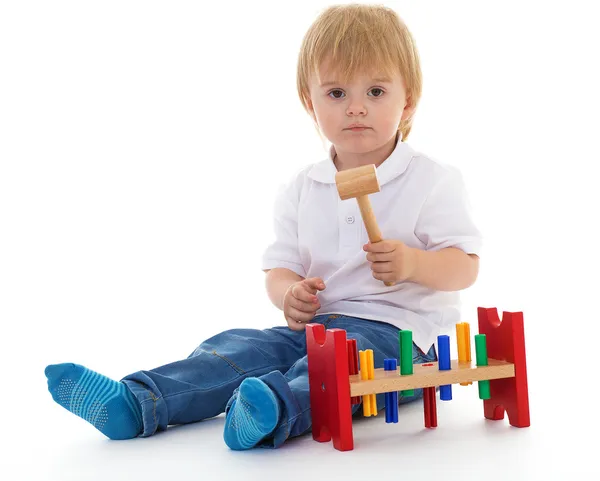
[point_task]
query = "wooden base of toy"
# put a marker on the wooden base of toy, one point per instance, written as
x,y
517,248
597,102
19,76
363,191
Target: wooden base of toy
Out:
x,y
332,388
429,375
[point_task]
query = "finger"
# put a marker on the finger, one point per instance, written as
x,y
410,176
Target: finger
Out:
x,y
379,247
381,267
303,293
295,325
385,276
379,257
315,283
304,306
300,316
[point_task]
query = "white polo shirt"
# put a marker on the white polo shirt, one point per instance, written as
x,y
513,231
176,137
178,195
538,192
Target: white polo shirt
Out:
x,y
422,202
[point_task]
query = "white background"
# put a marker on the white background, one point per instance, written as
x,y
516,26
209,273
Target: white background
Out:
x,y
141,146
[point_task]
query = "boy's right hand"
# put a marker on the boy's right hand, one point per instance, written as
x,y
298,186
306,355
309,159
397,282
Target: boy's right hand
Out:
x,y
300,302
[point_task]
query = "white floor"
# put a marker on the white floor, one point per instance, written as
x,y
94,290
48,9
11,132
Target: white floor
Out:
x,y
464,446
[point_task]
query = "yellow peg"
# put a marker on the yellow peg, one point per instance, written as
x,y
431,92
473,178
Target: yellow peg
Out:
x,y
371,366
468,341
463,339
364,376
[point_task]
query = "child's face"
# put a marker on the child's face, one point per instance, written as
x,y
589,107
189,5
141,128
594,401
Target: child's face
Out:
x,y
369,99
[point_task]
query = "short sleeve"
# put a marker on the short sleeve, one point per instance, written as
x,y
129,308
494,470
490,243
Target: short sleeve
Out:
x,y
283,251
446,217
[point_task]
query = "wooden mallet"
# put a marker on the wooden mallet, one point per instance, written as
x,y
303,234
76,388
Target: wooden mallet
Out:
x,y
359,183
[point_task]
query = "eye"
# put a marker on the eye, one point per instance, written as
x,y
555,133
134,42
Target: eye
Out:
x,y
377,92
336,91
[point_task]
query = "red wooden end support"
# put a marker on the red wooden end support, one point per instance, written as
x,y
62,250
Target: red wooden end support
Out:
x,y
506,342
353,364
329,384
429,407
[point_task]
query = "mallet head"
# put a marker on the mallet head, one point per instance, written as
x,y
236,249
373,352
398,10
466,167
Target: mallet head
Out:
x,y
357,182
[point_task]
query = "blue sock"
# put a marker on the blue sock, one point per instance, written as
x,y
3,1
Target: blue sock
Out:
x,y
107,405
252,416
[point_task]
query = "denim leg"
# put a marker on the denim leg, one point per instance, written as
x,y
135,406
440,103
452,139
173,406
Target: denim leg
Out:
x,y
199,386
292,387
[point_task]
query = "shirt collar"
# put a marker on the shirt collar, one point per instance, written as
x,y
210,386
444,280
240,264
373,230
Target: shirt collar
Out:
x,y
389,169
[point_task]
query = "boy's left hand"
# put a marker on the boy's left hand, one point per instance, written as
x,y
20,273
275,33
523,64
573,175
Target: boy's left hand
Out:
x,y
391,260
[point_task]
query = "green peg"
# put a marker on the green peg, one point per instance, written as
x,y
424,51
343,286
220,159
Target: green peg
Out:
x,y
406,359
482,360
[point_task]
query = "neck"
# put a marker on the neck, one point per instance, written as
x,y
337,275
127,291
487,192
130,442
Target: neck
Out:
x,y
349,160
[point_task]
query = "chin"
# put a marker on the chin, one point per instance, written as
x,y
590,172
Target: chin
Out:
x,y
359,145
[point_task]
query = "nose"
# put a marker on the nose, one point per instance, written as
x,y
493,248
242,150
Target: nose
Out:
x,y
356,107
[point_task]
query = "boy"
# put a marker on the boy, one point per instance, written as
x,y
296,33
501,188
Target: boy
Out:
x,y
359,78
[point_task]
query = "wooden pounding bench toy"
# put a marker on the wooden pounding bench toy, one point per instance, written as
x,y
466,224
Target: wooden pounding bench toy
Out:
x,y
336,383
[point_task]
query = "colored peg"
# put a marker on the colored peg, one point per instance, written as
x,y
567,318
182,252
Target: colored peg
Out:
x,y
391,398
406,359
371,367
482,360
463,339
429,407
364,376
367,372
353,364
444,365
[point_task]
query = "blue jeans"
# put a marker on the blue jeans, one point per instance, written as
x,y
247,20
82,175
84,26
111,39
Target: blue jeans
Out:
x,y
202,385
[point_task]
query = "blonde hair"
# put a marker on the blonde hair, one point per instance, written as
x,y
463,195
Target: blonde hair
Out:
x,y
361,38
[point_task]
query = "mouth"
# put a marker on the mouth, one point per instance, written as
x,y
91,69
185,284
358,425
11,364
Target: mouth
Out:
x,y
357,128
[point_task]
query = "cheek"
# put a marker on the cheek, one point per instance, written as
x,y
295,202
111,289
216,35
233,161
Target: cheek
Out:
x,y
326,117
390,117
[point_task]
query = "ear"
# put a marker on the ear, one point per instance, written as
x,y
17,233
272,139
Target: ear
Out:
x,y
409,110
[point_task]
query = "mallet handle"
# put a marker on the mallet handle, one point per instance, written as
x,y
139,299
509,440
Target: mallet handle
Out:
x,y
370,222
369,218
